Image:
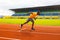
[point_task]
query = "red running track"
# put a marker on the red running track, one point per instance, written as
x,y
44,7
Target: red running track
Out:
x,y
12,32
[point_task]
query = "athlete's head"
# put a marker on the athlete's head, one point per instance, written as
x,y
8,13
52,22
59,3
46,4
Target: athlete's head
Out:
x,y
38,13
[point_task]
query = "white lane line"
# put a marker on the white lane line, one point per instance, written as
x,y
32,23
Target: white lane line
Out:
x,y
8,38
33,32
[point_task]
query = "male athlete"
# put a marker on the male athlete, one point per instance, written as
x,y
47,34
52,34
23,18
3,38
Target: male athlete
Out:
x,y
31,17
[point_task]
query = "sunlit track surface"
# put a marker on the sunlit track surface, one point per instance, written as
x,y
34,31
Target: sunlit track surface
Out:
x,y
12,32
33,32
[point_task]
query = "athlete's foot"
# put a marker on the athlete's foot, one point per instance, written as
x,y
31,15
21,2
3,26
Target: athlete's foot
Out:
x,y
32,28
21,25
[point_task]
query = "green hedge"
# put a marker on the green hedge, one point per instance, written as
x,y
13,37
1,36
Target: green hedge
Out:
x,y
25,17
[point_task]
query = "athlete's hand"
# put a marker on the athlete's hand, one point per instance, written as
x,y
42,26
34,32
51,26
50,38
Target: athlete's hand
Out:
x,y
34,18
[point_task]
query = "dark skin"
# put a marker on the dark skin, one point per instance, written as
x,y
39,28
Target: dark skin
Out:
x,y
35,18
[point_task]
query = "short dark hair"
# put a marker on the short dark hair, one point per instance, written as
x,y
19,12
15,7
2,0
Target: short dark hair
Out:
x,y
38,13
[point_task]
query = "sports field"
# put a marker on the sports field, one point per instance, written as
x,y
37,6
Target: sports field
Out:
x,y
45,29
47,22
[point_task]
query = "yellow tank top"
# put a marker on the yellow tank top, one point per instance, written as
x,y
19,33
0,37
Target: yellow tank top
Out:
x,y
33,15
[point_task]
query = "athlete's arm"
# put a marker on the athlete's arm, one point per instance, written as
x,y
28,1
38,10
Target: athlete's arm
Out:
x,y
35,18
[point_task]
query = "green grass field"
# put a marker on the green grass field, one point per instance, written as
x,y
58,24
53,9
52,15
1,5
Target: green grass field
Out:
x,y
50,22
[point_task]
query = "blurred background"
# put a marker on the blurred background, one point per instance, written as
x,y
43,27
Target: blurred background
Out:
x,y
17,11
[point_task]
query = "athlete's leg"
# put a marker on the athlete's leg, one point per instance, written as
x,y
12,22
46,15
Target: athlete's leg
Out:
x,y
25,22
32,24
